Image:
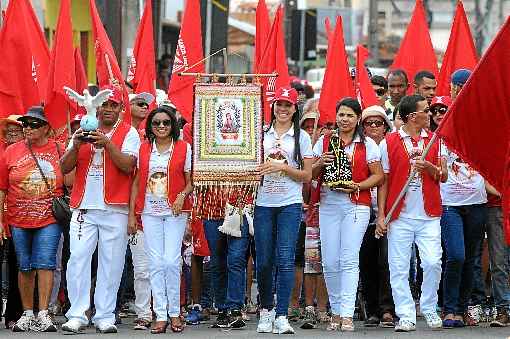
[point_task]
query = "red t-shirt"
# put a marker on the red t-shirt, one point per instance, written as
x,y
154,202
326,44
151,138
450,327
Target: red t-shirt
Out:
x,y
28,198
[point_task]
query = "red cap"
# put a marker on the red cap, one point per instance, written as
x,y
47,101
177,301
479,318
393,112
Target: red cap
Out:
x,y
444,100
78,117
286,94
117,94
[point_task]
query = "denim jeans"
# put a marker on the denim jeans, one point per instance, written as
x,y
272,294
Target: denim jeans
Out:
x,y
461,233
227,265
478,296
206,298
498,256
276,232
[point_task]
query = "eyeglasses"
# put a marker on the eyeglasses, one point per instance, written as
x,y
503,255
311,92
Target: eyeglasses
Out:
x,y
439,110
142,105
380,92
164,123
33,124
376,123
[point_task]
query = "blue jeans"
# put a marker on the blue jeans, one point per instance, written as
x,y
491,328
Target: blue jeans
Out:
x,y
461,233
498,256
276,232
478,296
36,248
227,265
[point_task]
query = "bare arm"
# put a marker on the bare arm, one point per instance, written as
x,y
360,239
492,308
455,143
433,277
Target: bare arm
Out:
x,y
2,230
70,157
125,162
382,193
132,224
491,189
376,176
179,201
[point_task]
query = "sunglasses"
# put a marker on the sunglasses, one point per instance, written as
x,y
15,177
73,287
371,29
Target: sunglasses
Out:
x,y
375,123
439,110
164,123
380,92
142,105
33,124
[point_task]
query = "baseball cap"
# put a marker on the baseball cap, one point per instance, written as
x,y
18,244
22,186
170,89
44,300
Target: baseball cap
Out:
x,y
376,111
460,76
144,96
78,117
117,94
309,115
443,100
286,93
11,119
34,112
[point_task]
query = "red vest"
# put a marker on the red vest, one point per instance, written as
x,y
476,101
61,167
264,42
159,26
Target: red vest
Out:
x,y
176,181
400,168
360,172
117,184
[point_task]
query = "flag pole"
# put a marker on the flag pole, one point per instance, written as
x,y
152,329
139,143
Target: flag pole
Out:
x,y
408,182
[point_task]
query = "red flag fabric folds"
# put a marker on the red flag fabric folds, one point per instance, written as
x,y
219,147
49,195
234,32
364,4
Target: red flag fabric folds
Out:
x,y
364,89
460,53
416,52
81,80
337,82
262,27
25,60
274,60
62,69
107,67
188,58
477,124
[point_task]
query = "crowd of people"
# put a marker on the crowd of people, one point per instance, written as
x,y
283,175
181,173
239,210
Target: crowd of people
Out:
x,y
315,238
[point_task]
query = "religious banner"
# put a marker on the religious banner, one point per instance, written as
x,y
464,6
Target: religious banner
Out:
x,y
227,136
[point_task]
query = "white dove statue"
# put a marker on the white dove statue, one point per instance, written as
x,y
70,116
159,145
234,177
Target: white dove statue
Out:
x,y
89,122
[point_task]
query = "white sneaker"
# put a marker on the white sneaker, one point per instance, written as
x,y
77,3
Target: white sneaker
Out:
x,y
282,326
44,322
266,321
433,320
106,327
405,326
24,324
73,326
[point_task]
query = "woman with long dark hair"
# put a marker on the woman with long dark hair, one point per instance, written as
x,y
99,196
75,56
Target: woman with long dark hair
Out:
x,y
160,195
288,164
344,210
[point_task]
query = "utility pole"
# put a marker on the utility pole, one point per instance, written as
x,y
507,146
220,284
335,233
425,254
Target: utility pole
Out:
x,y
208,36
373,36
302,40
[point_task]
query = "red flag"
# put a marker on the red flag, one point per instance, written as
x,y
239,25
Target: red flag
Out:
x,y
274,60
416,52
188,58
337,82
81,80
142,70
107,68
62,69
364,89
477,124
262,26
460,53
25,60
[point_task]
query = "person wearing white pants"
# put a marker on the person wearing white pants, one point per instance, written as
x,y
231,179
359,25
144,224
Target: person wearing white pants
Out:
x,y
344,211
99,200
160,195
142,284
416,216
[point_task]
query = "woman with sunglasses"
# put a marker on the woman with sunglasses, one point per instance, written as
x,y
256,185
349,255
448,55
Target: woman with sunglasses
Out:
x,y
344,212
30,177
160,195
438,108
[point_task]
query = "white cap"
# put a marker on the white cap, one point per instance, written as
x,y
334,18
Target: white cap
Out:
x,y
144,96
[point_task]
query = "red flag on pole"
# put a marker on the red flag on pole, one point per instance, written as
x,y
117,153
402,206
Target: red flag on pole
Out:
x,y
337,82
262,27
142,69
477,124
82,81
62,69
107,68
25,60
460,53
274,60
364,89
416,52
188,58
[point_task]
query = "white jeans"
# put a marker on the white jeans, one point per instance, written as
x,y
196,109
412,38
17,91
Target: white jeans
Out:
x,y
342,227
108,231
142,283
163,240
402,233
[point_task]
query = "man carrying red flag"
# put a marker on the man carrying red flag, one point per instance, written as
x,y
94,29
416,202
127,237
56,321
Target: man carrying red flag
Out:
x,y
99,201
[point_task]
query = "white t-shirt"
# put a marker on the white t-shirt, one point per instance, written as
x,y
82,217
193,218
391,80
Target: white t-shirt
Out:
x,y
278,189
465,186
156,194
413,201
373,155
93,198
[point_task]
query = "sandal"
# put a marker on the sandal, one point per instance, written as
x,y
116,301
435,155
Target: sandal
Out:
x,y
176,327
334,324
159,327
347,325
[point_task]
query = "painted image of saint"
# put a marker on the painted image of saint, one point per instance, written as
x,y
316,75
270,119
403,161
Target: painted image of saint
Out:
x,y
228,118
157,185
33,184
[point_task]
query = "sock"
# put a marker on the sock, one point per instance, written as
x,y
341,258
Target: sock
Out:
x,y
42,312
29,313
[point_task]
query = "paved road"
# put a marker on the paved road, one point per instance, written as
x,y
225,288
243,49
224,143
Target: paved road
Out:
x,y
203,331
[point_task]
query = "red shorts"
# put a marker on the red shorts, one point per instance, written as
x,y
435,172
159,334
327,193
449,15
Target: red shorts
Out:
x,y
200,247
